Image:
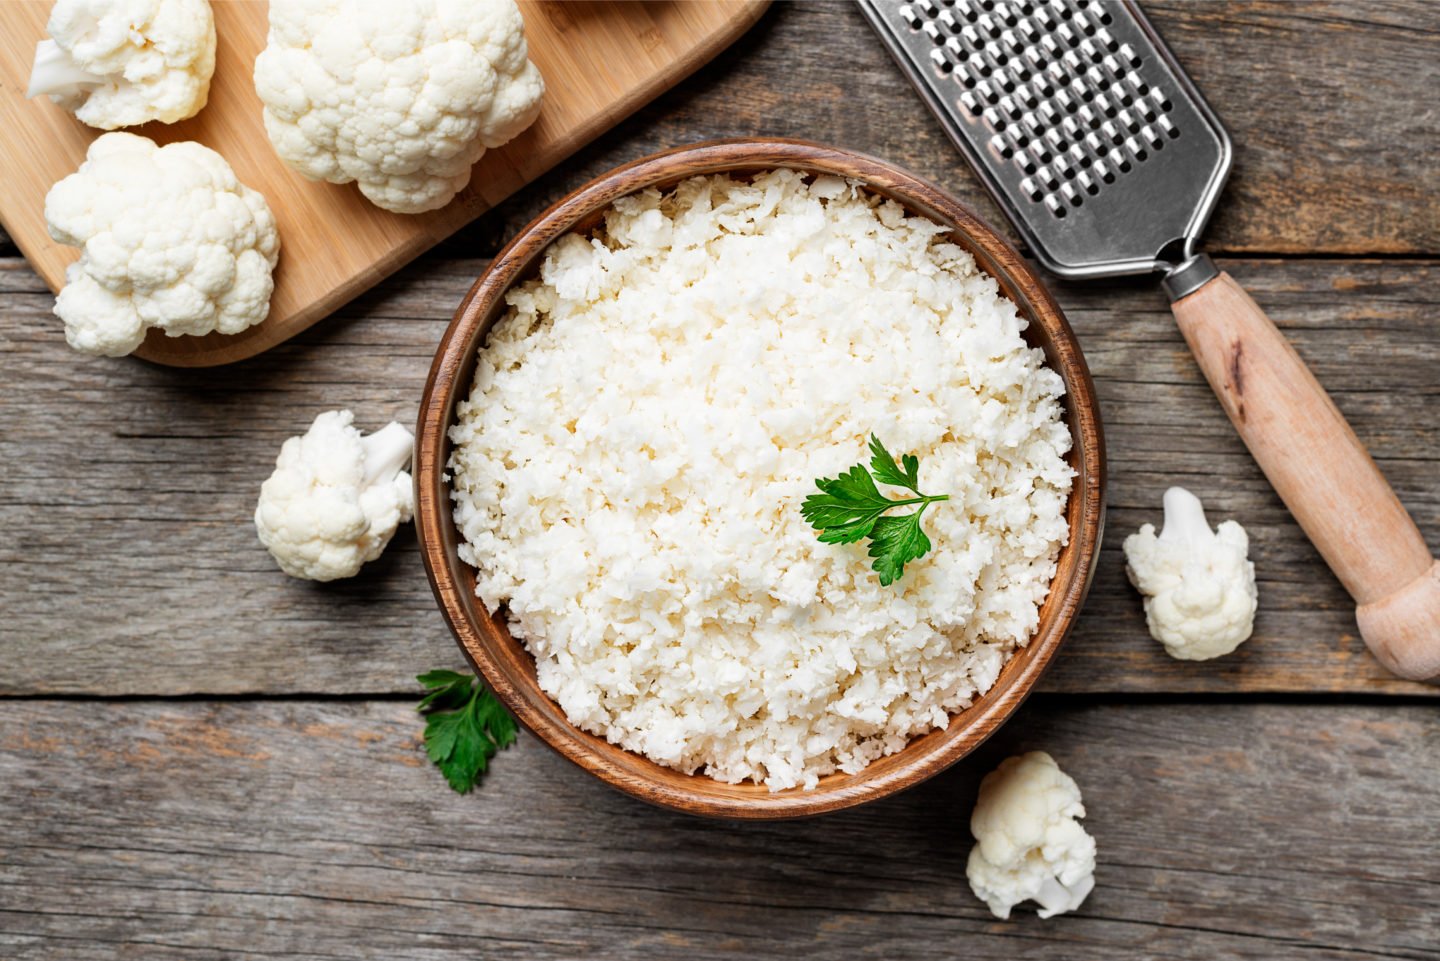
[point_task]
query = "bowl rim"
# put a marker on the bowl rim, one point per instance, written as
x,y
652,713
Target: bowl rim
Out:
x,y
437,534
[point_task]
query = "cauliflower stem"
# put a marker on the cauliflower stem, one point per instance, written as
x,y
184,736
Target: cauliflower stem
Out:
x,y
387,452
56,72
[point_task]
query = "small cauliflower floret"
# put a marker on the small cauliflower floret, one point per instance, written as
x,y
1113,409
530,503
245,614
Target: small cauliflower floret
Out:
x,y
1198,584
401,98
1029,845
170,239
118,63
336,497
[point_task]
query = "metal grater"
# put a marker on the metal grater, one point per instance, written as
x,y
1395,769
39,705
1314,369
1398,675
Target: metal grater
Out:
x,y
1078,120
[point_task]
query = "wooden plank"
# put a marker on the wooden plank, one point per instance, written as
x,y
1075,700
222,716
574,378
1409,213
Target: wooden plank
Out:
x,y
132,565
600,61
1332,155
306,830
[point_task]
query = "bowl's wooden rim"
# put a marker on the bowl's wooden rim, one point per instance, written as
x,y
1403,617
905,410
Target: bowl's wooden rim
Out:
x,y
509,669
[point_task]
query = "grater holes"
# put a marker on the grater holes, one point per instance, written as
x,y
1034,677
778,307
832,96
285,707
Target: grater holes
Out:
x,y
1061,94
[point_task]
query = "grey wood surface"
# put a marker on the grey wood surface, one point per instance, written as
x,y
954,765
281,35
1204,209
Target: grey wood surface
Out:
x,y
205,830
1280,803
132,563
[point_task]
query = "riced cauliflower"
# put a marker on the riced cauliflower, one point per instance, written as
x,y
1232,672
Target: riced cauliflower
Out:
x,y
1028,844
402,98
336,497
169,238
647,419
118,63
1199,585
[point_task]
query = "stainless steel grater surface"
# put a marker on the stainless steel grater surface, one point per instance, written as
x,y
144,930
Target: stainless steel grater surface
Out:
x,y
1078,119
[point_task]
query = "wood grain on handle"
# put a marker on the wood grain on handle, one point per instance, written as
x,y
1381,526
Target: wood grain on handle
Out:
x,y
1321,471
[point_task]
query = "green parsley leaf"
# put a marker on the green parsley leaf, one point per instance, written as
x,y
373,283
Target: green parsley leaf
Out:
x,y
465,725
882,465
846,507
851,507
896,541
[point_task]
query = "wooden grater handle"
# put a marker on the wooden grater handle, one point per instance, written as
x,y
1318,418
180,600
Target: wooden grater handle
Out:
x,y
1321,471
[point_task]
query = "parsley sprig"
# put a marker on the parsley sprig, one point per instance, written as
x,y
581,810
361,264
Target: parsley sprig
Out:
x,y
465,725
850,507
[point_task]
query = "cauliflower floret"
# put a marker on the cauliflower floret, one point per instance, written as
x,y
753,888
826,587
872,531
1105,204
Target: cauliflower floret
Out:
x,y
400,97
117,63
336,497
1029,845
170,239
1199,587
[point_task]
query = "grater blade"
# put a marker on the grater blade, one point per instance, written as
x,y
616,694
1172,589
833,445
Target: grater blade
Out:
x,y
1078,119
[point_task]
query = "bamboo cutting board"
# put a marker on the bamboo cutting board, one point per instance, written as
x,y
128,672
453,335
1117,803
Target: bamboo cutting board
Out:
x,y
601,61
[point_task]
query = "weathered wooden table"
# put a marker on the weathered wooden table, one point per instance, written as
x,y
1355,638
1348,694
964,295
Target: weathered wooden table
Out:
x,y
202,759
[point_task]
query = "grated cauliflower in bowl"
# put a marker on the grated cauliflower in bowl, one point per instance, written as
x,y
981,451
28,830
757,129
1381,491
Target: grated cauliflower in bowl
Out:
x,y
646,419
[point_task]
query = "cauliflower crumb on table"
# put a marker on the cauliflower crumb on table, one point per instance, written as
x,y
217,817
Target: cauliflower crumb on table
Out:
x,y
1029,845
336,497
1199,585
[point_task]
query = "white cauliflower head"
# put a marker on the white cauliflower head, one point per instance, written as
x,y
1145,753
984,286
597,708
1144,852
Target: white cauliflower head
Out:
x,y
117,63
170,239
1199,586
401,98
336,497
1029,845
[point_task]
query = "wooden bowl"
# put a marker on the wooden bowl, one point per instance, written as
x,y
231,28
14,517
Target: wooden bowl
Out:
x,y
509,668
